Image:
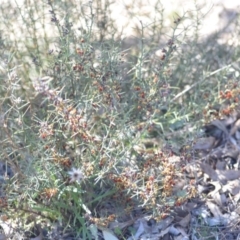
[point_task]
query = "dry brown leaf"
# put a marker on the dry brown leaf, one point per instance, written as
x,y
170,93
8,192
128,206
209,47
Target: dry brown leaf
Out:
x,y
215,210
220,199
183,233
164,232
232,186
180,237
40,237
236,198
204,143
209,171
164,223
220,175
195,203
3,236
174,231
220,125
235,127
228,175
237,135
221,165
185,221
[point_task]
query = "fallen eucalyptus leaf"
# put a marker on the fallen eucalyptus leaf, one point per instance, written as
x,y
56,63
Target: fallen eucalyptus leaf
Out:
x,y
140,230
235,127
214,209
40,237
108,235
226,175
3,236
164,223
164,232
232,186
236,198
174,231
184,235
213,130
185,221
204,143
207,169
181,237
220,199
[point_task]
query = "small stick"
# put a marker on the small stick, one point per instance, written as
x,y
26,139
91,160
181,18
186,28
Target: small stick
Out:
x,y
196,83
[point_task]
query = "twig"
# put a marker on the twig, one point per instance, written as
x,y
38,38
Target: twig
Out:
x,y
198,82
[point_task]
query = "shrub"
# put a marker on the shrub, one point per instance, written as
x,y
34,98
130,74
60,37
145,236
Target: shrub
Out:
x,y
88,127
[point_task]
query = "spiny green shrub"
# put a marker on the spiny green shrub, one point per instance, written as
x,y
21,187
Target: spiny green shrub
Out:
x,y
87,126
